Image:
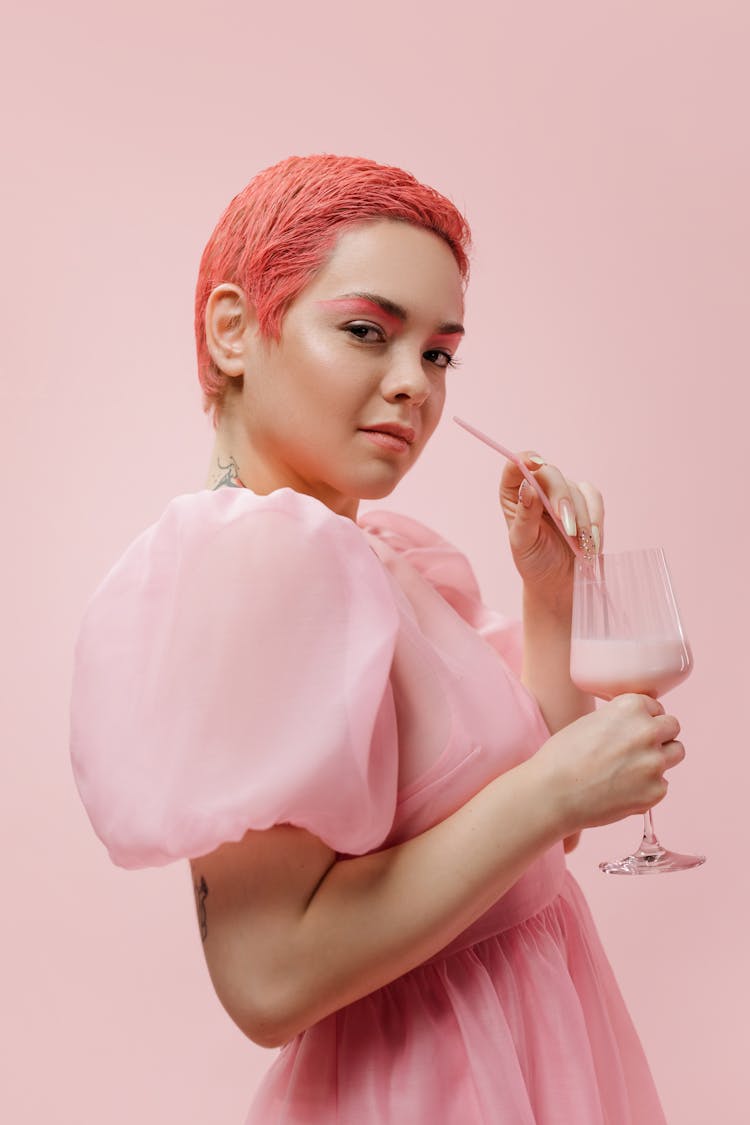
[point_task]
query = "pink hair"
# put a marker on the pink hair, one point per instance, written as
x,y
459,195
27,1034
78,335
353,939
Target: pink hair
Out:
x,y
278,231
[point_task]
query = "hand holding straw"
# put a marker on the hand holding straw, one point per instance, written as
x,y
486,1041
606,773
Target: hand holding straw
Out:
x,y
528,476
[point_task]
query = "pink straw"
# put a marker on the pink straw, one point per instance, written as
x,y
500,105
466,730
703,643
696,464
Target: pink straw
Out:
x,y
507,453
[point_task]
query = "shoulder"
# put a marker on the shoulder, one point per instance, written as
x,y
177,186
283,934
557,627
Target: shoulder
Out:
x,y
230,527
232,672
241,513
230,559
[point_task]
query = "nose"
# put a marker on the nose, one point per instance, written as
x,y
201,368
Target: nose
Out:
x,y
407,379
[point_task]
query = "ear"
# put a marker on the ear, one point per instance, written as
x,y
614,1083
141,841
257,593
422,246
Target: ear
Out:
x,y
230,317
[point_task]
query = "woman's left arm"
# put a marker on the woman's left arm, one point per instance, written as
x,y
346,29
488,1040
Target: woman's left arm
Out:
x,y
545,562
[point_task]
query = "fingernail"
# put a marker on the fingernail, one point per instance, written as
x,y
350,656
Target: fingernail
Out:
x,y
524,494
586,543
537,461
567,516
596,537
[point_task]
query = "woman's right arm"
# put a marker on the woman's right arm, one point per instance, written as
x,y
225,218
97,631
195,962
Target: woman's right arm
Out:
x,y
291,934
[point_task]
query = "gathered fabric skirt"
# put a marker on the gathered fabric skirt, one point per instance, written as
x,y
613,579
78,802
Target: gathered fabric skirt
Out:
x,y
527,1027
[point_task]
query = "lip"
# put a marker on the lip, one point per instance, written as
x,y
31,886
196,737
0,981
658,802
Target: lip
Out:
x,y
395,428
387,441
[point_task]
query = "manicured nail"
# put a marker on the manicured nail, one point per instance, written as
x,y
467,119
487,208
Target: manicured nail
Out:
x,y
586,543
567,516
537,461
525,494
596,537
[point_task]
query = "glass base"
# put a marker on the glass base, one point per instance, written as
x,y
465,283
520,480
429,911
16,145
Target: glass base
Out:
x,y
651,859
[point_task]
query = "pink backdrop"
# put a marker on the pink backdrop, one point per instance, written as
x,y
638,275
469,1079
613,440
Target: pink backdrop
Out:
x,y
601,153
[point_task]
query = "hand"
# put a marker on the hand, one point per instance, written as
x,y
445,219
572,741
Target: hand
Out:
x,y
610,764
540,552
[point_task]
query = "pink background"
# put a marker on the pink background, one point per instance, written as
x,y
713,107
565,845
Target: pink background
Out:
x,y
601,153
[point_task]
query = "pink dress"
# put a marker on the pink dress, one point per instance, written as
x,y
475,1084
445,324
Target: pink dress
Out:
x,y
256,660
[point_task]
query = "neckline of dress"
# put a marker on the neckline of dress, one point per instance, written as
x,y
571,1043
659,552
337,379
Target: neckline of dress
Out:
x,y
235,482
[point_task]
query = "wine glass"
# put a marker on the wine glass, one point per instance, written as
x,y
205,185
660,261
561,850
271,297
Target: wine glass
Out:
x,y
627,637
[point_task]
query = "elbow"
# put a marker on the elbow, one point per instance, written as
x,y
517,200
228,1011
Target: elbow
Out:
x,y
272,1004
265,1033
266,1026
273,1022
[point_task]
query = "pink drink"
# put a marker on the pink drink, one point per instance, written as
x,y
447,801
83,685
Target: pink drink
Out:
x,y
610,667
627,637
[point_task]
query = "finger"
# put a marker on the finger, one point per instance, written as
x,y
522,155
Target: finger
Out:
x,y
566,497
667,728
674,753
558,492
653,706
582,517
510,485
661,788
594,501
595,505
637,702
511,478
524,530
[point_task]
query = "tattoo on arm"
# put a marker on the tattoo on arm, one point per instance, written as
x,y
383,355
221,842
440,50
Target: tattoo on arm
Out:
x,y
227,474
201,893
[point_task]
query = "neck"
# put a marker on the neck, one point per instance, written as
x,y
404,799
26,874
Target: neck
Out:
x,y
229,458
224,472
234,459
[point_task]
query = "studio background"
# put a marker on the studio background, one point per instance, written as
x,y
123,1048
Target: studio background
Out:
x,y
600,152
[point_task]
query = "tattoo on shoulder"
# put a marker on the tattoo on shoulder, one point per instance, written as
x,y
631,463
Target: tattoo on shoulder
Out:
x,y
201,893
227,474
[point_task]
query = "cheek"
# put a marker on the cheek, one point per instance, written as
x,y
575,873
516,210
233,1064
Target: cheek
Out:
x,y
319,362
431,416
303,362
303,375
438,401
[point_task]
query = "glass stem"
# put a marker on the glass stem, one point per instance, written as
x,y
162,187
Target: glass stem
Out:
x,y
649,843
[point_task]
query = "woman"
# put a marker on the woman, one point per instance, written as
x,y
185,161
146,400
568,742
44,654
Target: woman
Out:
x,y
374,789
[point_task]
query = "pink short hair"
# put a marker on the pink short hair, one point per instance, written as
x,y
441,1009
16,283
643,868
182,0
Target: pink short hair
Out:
x,y
279,230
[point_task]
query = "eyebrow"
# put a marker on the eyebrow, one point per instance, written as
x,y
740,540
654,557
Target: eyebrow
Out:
x,y
449,328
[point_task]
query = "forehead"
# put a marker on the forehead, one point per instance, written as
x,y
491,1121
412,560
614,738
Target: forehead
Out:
x,y
411,266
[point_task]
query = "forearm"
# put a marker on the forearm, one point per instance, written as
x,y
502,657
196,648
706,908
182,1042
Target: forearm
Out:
x,y
546,663
375,917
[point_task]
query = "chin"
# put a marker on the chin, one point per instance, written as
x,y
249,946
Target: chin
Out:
x,y
375,492
374,485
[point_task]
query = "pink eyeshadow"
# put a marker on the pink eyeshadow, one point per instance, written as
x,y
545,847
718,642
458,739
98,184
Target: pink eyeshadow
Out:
x,y
449,338
359,305
354,306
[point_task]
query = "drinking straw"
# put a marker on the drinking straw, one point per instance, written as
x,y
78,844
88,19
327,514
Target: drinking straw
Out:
x,y
510,456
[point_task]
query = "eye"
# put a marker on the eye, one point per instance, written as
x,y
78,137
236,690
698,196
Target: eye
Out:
x,y
361,330
450,361
434,355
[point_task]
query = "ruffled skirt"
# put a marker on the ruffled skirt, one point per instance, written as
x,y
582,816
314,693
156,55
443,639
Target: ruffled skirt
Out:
x,y
527,1027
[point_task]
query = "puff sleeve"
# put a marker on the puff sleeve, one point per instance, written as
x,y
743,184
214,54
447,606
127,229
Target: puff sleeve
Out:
x,y
232,672
449,571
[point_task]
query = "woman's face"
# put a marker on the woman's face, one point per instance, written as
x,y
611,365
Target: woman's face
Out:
x,y
346,363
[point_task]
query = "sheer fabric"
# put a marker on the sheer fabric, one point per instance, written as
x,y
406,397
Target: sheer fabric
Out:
x,y
253,660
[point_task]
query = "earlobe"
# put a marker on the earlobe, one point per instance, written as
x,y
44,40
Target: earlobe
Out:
x,y
228,317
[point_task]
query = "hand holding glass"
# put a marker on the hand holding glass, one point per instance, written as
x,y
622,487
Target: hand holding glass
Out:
x,y
628,637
